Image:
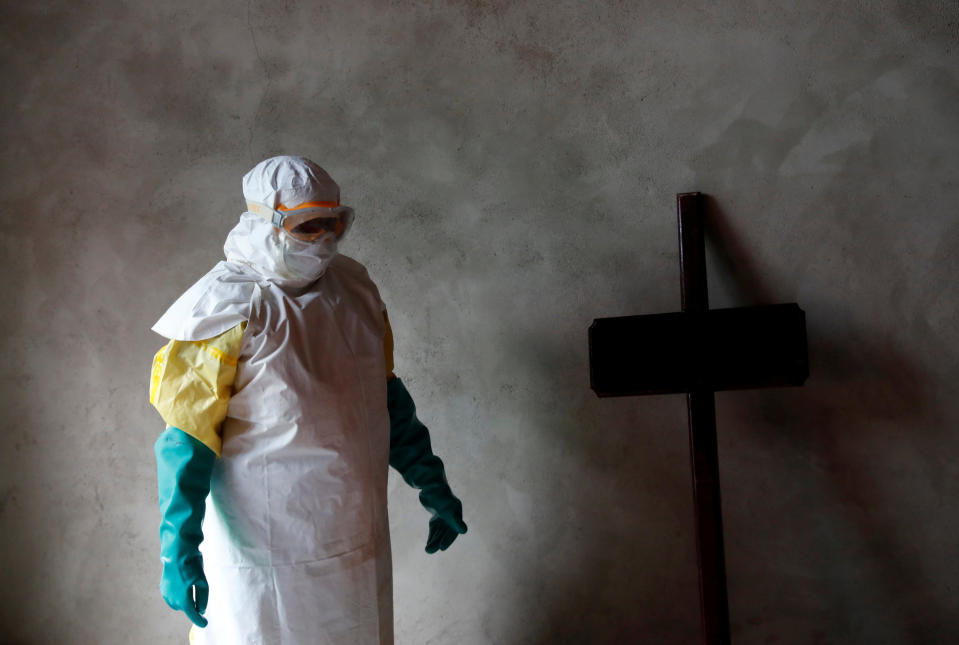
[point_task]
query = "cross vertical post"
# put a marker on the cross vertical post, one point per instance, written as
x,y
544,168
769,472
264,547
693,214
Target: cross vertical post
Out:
x,y
704,457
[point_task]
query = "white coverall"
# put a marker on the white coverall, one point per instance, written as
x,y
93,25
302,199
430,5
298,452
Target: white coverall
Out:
x,y
296,536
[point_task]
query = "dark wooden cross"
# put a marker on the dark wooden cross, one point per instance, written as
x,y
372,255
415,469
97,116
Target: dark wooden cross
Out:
x,y
699,351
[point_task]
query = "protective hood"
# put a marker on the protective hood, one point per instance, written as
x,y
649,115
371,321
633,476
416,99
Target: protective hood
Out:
x,y
289,181
273,254
218,301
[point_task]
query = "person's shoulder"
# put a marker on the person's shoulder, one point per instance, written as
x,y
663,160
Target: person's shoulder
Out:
x,y
354,276
233,273
226,281
344,264
214,303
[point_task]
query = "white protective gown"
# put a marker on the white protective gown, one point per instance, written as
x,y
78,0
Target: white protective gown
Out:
x,y
296,543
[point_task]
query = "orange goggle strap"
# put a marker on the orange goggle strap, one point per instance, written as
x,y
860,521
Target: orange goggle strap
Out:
x,y
290,216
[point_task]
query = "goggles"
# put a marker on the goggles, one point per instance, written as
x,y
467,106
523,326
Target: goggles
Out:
x,y
309,221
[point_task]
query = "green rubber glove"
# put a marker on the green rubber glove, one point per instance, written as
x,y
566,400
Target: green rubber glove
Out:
x,y
184,466
412,455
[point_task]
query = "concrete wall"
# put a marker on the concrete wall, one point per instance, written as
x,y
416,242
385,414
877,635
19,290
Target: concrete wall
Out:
x,y
513,166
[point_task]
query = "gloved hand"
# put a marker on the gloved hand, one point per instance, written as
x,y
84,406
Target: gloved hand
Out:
x,y
184,466
443,530
412,456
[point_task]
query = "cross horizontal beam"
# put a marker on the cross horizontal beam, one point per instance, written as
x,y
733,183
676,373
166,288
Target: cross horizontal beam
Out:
x,y
716,349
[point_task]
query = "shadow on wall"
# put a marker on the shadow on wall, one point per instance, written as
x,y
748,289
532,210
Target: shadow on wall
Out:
x,y
619,562
606,589
856,382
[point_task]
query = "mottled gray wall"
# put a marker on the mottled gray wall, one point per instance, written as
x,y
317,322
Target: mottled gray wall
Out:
x,y
513,166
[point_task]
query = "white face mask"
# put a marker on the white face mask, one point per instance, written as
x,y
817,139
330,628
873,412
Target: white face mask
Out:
x,y
276,255
304,261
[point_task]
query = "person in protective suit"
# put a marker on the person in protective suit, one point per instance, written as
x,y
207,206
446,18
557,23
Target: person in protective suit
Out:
x,y
282,416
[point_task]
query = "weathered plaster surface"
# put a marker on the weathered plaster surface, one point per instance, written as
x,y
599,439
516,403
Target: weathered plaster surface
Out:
x,y
513,166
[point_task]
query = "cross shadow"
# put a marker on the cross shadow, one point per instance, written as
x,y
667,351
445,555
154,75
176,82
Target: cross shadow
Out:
x,y
857,382
732,258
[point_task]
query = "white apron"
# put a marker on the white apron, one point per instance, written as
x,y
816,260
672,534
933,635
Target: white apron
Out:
x,y
296,535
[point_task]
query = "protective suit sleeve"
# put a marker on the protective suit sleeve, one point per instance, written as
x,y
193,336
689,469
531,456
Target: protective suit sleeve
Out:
x,y
412,456
192,381
184,467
